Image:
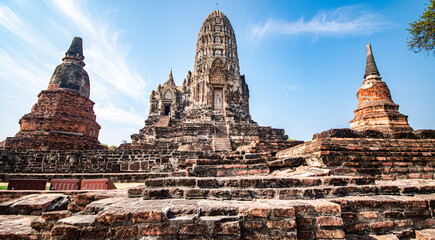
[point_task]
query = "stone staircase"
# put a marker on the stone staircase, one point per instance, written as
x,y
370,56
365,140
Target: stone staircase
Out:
x,y
221,144
237,196
370,217
163,121
231,165
252,188
385,159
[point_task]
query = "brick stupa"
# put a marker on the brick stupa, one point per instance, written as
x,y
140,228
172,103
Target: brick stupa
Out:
x,y
63,118
210,111
376,110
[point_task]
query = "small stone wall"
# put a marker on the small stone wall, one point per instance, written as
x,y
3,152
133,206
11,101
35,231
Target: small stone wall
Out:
x,y
97,161
384,158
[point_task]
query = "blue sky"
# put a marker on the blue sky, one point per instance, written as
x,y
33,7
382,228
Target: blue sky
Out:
x,y
303,60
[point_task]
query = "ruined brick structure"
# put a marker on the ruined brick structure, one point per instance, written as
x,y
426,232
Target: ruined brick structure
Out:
x,y
372,182
376,110
63,118
210,111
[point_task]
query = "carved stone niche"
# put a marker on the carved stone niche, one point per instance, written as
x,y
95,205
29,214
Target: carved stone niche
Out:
x,y
218,73
218,97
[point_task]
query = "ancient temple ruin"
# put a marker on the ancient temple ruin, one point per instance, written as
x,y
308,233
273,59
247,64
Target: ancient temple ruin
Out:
x,y
210,110
372,181
376,110
63,118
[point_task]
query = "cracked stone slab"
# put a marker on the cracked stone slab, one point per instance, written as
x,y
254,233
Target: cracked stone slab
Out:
x,y
78,220
29,204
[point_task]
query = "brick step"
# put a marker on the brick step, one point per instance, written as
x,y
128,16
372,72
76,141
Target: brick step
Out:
x,y
221,144
229,170
294,193
287,162
425,234
203,219
257,182
34,204
229,161
116,177
382,217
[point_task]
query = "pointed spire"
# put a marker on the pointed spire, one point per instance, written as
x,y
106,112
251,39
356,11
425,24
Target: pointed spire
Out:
x,y
76,49
371,68
171,78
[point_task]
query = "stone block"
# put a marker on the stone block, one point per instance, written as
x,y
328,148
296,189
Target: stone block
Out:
x,y
368,215
194,229
145,214
64,232
330,234
284,212
226,228
425,234
159,230
386,224
255,211
282,224
329,221
55,215
126,231
114,215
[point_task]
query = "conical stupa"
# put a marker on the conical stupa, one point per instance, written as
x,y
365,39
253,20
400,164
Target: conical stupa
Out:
x,y
376,110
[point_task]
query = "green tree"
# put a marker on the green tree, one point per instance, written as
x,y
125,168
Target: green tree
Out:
x,y
422,31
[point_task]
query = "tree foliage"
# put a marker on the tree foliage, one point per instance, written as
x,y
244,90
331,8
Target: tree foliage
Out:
x,y
422,31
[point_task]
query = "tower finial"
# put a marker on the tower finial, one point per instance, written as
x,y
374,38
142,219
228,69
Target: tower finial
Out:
x,y
217,6
171,78
76,49
371,68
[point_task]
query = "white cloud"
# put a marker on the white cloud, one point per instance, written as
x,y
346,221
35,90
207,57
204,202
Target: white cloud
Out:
x,y
22,73
12,22
105,56
37,44
114,114
349,20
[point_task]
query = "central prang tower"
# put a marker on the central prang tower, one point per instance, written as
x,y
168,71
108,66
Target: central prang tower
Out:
x,y
216,83
210,111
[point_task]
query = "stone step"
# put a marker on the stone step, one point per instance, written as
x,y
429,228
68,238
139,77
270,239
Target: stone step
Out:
x,y
116,177
425,234
230,161
18,227
163,121
34,204
381,217
250,194
257,182
221,144
229,170
286,163
205,219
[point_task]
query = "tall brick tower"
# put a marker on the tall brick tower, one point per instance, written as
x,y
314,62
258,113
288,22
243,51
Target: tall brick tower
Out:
x,y
63,118
210,110
376,110
216,83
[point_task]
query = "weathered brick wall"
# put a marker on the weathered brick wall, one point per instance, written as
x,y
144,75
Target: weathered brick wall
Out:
x,y
95,161
401,215
383,158
61,120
